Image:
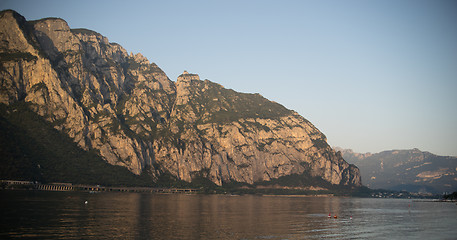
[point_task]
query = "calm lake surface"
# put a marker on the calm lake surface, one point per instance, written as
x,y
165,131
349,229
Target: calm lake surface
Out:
x,y
64,215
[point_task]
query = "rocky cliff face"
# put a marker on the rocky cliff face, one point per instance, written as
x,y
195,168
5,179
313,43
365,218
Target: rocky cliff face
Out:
x,y
128,110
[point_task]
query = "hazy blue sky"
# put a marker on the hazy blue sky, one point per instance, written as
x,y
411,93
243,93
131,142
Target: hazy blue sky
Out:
x,y
371,75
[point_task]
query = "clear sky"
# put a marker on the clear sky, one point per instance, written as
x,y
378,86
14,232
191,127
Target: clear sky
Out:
x,y
371,75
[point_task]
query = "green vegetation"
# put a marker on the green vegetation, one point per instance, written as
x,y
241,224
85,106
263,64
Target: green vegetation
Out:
x,y
298,180
45,19
39,86
227,105
16,56
84,31
450,197
130,64
287,185
320,143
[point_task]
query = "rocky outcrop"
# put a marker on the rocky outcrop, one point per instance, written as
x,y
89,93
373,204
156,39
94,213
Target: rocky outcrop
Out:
x,y
128,110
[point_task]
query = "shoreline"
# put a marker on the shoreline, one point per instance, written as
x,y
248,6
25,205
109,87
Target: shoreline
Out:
x,y
69,187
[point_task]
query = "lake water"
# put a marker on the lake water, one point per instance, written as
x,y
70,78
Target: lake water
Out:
x,y
65,215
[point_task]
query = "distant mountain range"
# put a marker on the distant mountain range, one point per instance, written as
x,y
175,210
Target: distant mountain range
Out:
x,y
409,170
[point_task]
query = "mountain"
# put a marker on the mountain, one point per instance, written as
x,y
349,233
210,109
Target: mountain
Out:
x,y
31,149
408,170
130,114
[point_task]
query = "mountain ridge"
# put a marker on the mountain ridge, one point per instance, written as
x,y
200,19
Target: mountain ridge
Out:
x,y
133,115
409,170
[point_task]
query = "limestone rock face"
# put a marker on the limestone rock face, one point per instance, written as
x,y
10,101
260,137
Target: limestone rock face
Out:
x,y
128,110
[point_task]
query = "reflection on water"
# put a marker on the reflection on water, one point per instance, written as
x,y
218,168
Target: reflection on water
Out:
x,y
64,215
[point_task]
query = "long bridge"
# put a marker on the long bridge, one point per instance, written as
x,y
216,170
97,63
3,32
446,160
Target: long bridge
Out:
x,y
13,184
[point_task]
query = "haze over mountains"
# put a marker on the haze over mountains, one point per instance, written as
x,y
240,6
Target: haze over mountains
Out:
x,y
405,170
125,110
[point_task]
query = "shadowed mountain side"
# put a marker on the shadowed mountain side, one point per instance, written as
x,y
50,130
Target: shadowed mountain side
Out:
x,y
32,149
